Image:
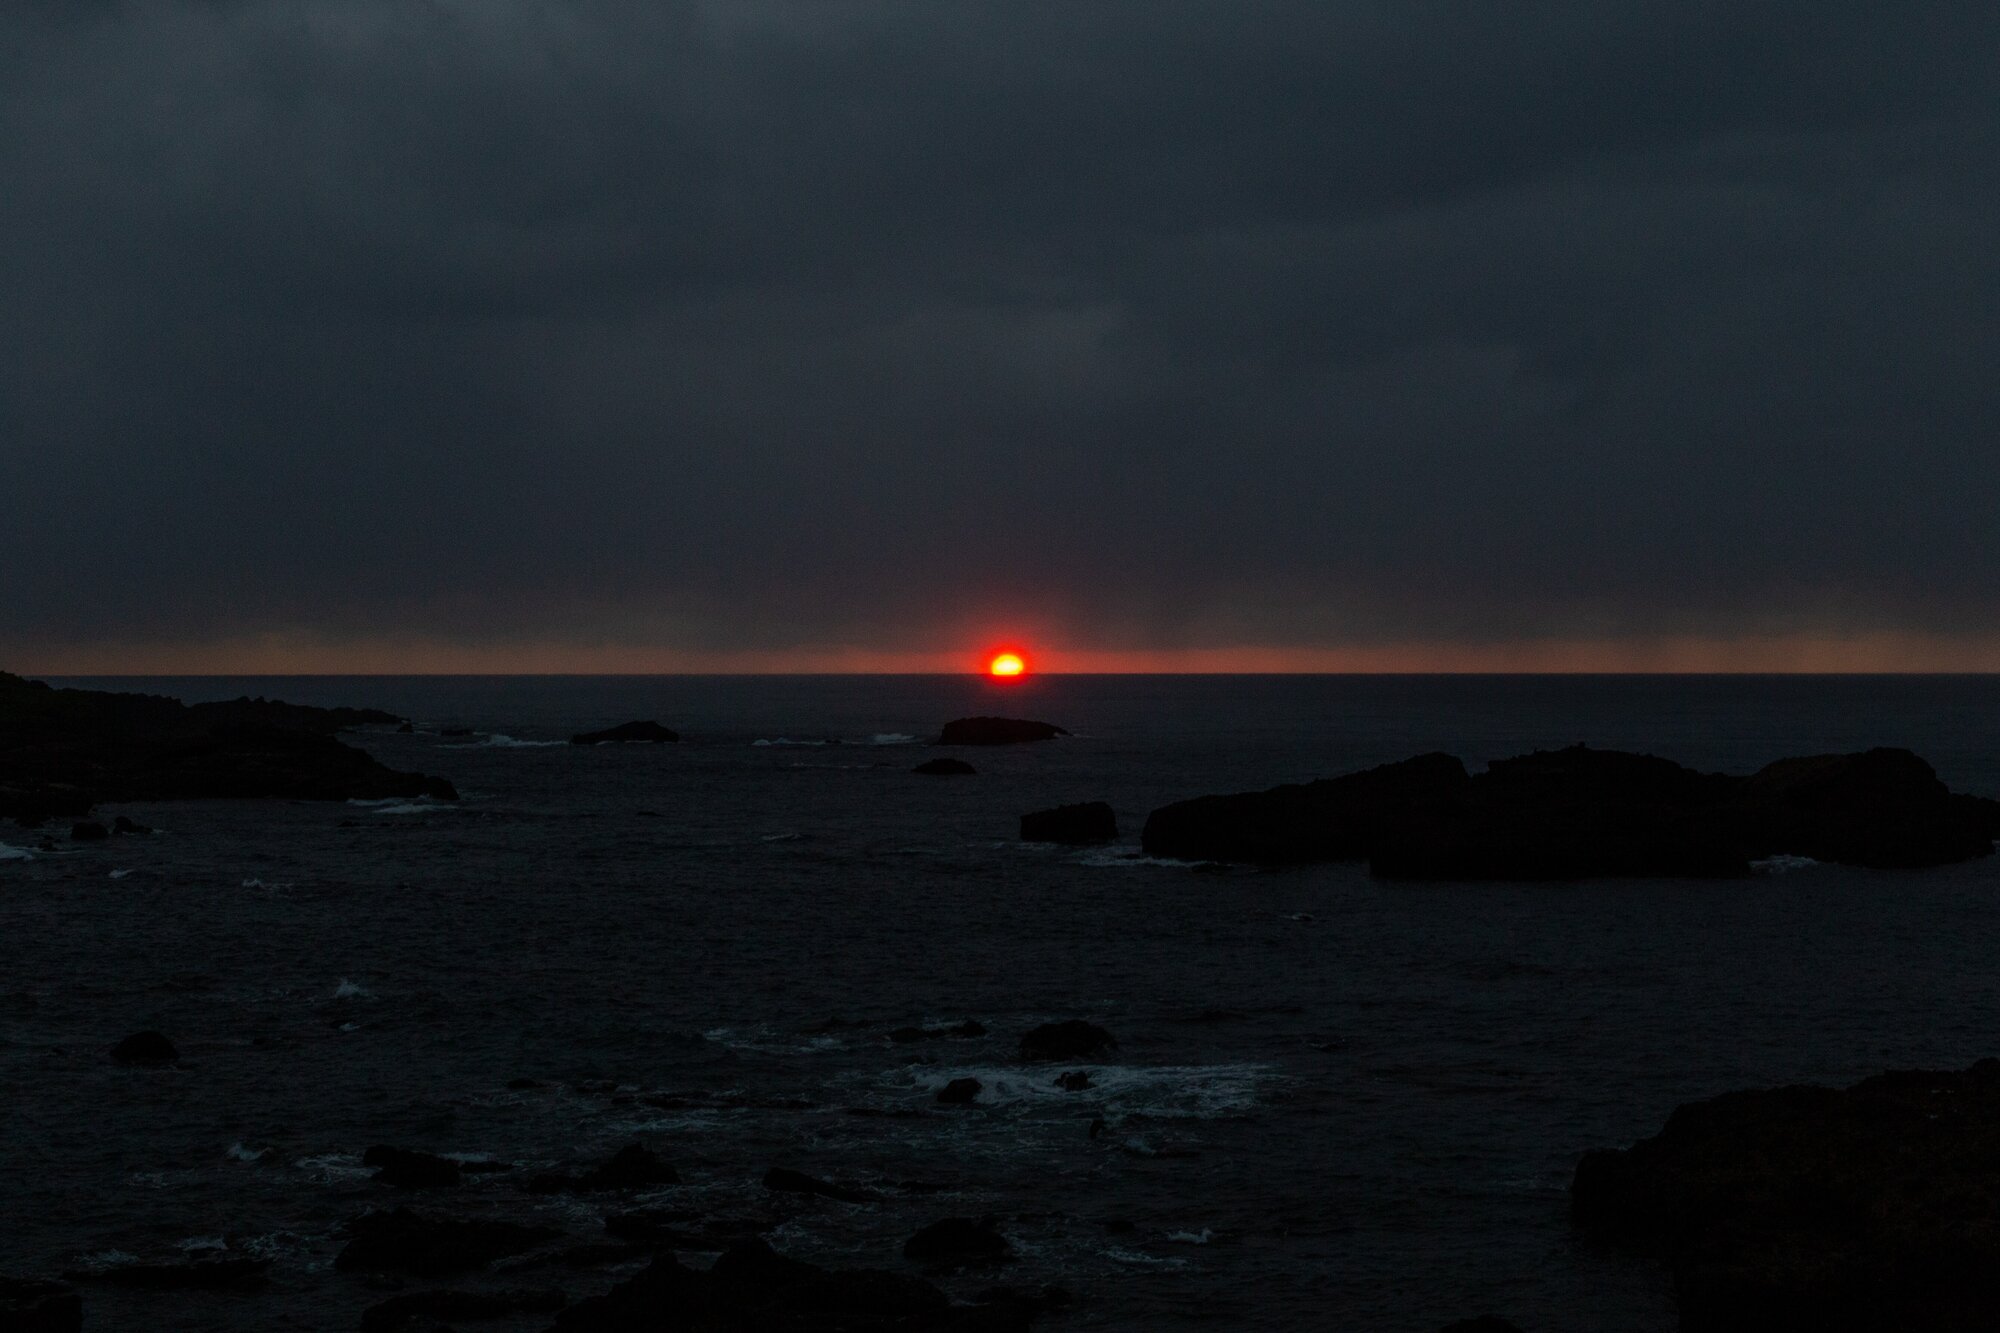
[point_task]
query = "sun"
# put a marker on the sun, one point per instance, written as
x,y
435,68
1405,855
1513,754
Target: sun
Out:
x,y
1006,666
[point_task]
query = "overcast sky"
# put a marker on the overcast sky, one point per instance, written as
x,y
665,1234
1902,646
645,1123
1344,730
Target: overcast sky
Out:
x,y
628,333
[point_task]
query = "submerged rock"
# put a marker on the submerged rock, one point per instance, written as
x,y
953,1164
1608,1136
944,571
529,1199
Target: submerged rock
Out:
x,y
997,731
960,1092
1809,1207
1072,1039
404,1241
33,1305
957,1240
946,767
1091,821
145,1048
651,733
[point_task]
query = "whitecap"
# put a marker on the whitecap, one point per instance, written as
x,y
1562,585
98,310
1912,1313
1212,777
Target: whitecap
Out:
x,y
420,806
782,837
1782,864
501,741
120,874
1164,1092
1137,1259
892,738
783,740
1129,858
1202,1237
15,853
348,990
240,1152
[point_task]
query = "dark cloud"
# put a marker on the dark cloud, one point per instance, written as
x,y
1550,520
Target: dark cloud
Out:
x,y
758,323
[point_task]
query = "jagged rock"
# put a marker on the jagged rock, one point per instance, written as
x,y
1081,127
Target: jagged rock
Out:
x,y
404,1241
786,1181
410,1170
1807,1207
960,1092
630,1168
957,1240
946,767
32,1305
646,732
145,1048
997,731
1091,821
1072,1039
399,1312
1335,819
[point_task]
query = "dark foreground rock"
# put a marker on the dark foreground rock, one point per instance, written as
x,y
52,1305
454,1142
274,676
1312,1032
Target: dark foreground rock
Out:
x,y
1075,825
1582,813
218,1274
785,1181
401,1312
423,1245
407,1169
997,731
146,1049
1072,1039
946,767
61,751
957,1240
1809,1207
960,1092
31,1305
649,733
752,1289
630,1168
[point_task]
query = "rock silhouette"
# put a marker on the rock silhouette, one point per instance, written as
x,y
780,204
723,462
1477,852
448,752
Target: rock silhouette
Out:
x,y
632,1167
1583,813
960,1092
957,1240
1810,1207
1076,825
997,731
651,733
410,1170
422,1245
31,1305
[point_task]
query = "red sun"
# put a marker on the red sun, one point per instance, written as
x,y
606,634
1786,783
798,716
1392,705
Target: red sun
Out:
x,y
1006,666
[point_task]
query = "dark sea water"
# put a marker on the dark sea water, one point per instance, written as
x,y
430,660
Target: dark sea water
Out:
x,y
1336,1104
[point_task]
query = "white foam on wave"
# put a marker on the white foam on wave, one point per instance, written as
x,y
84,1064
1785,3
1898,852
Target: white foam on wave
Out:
x,y
1781,865
348,990
782,837
1202,1237
267,888
892,738
1138,1260
119,874
1165,1092
423,805
241,1152
15,853
1129,858
782,740
501,741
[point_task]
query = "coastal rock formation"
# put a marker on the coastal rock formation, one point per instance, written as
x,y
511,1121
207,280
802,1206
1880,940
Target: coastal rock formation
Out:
x,y
404,1241
945,767
1810,1207
960,1092
407,1169
62,751
957,1240
650,733
1072,1039
997,731
1091,821
31,1305
1580,813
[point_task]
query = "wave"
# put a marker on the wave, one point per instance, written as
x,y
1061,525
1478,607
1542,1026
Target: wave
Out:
x,y
15,853
1163,1092
502,741
892,738
784,741
348,990
1780,865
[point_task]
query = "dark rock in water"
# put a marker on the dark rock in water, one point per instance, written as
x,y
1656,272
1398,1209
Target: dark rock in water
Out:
x,y
683,1229
969,1028
127,826
410,1170
145,1048
88,831
750,1287
957,1240
1076,1080
426,1246
786,1181
630,1168
398,1312
1486,1323
960,1092
62,750
646,732
192,1275
406,729
1092,821
997,731
1583,813
456,733
946,767
31,1305
1807,1207
1072,1039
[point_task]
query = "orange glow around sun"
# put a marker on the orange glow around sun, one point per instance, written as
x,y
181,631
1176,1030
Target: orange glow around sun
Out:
x,y
1006,665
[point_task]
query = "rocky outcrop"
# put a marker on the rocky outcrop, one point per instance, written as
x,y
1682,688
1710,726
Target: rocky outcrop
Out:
x,y
1810,1207
61,751
957,1240
645,733
1072,1039
1584,813
31,1305
422,1245
960,1092
997,731
1076,825
945,767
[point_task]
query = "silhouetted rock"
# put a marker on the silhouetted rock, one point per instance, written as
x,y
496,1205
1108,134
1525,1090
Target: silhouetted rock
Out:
x,y
1092,821
32,1305
969,1028
410,1170
1072,1039
946,767
997,731
398,1312
644,732
145,1048
406,729
786,1181
957,1240
686,1228
1807,1207
960,1092
426,1246
1076,1080
122,825
189,1275
1581,813
630,1168
88,831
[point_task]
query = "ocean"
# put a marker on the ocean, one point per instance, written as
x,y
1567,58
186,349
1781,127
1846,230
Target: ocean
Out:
x,y
1335,1103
